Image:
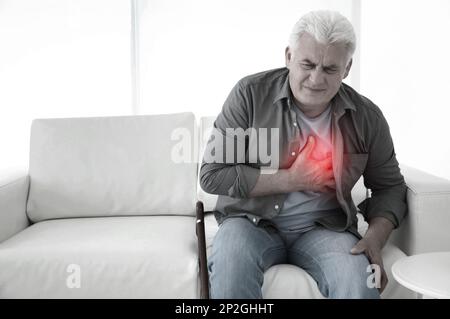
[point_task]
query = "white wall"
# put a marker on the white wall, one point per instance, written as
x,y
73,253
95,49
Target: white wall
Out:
x,y
60,58
405,70
193,52
65,58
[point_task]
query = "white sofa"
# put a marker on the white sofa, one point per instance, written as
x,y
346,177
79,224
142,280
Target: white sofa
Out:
x,y
107,209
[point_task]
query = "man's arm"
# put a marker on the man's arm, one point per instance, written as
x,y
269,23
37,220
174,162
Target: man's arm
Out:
x,y
379,230
383,177
386,208
219,175
304,174
269,184
376,235
237,179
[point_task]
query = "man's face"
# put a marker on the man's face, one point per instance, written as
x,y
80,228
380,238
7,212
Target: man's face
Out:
x,y
316,71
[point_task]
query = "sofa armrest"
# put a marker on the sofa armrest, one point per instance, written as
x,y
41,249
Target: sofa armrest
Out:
x,y
14,186
202,259
427,224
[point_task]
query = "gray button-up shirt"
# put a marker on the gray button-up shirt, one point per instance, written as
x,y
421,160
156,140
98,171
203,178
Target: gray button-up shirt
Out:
x,y
362,145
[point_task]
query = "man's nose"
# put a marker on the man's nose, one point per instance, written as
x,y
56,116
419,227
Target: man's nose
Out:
x,y
316,76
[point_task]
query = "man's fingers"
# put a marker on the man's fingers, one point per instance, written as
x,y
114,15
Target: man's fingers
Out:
x,y
328,175
376,259
326,163
331,184
329,181
309,147
359,248
384,280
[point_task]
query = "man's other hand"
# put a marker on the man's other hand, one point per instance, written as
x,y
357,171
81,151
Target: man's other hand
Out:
x,y
373,242
373,252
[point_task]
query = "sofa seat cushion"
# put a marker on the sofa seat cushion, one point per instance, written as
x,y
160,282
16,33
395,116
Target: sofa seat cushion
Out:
x,y
113,257
291,282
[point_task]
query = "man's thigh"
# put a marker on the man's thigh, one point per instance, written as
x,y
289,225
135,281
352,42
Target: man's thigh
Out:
x,y
326,256
321,241
241,253
239,239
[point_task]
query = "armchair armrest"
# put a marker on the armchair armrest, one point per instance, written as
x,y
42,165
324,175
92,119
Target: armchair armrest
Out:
x,y
426,228
14,185
201,241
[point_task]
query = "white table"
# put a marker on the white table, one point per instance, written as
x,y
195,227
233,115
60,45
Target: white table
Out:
x,y
426,274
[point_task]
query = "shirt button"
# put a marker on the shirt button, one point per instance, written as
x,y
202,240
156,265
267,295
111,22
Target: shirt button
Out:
x,y
295,123
276,206
293,153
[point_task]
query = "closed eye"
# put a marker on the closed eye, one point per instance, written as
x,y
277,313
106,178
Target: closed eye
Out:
x,y
331,70
307,66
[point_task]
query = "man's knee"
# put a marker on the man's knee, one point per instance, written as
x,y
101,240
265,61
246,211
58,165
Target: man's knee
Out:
x,y
236,236
352,279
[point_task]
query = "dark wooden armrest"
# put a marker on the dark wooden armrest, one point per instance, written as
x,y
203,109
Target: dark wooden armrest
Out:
x,y
200,231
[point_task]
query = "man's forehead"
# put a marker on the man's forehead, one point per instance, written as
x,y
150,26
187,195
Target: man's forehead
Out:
x,y
317,58
316,52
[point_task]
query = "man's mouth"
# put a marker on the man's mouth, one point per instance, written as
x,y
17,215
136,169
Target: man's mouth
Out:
x,y
314,89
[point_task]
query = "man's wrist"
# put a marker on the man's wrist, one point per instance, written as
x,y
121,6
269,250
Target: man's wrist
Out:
x,y
379,230
270,184
381,222
287,181
292,183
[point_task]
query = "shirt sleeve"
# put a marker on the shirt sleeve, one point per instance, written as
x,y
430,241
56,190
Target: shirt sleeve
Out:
x,y
383,177
221,173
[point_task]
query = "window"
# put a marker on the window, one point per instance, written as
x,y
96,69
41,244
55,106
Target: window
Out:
x,y
191,53
60,58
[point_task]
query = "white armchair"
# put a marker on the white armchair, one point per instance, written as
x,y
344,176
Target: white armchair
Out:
x,y
425,229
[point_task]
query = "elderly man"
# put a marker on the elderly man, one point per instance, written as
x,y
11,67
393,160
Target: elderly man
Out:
x,y
302,213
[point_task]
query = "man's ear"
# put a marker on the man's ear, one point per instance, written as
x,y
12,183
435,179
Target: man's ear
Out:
x,y
347,69
288,56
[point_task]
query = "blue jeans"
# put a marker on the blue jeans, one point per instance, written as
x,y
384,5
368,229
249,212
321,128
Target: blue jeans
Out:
x,y
242,252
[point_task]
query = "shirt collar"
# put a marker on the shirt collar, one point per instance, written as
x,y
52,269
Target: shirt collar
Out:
x,y
344,99
285,90
341,100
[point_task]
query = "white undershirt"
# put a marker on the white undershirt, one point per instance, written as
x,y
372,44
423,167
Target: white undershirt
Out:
x,y
302,209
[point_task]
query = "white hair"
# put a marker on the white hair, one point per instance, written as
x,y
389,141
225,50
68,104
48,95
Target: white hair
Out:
x,y
327,27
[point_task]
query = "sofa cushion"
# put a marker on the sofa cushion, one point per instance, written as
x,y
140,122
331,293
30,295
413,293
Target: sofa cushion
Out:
x,y
112,166
114,257
205,128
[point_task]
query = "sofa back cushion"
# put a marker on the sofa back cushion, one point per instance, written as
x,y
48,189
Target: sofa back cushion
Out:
x,y
112,166
205,130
